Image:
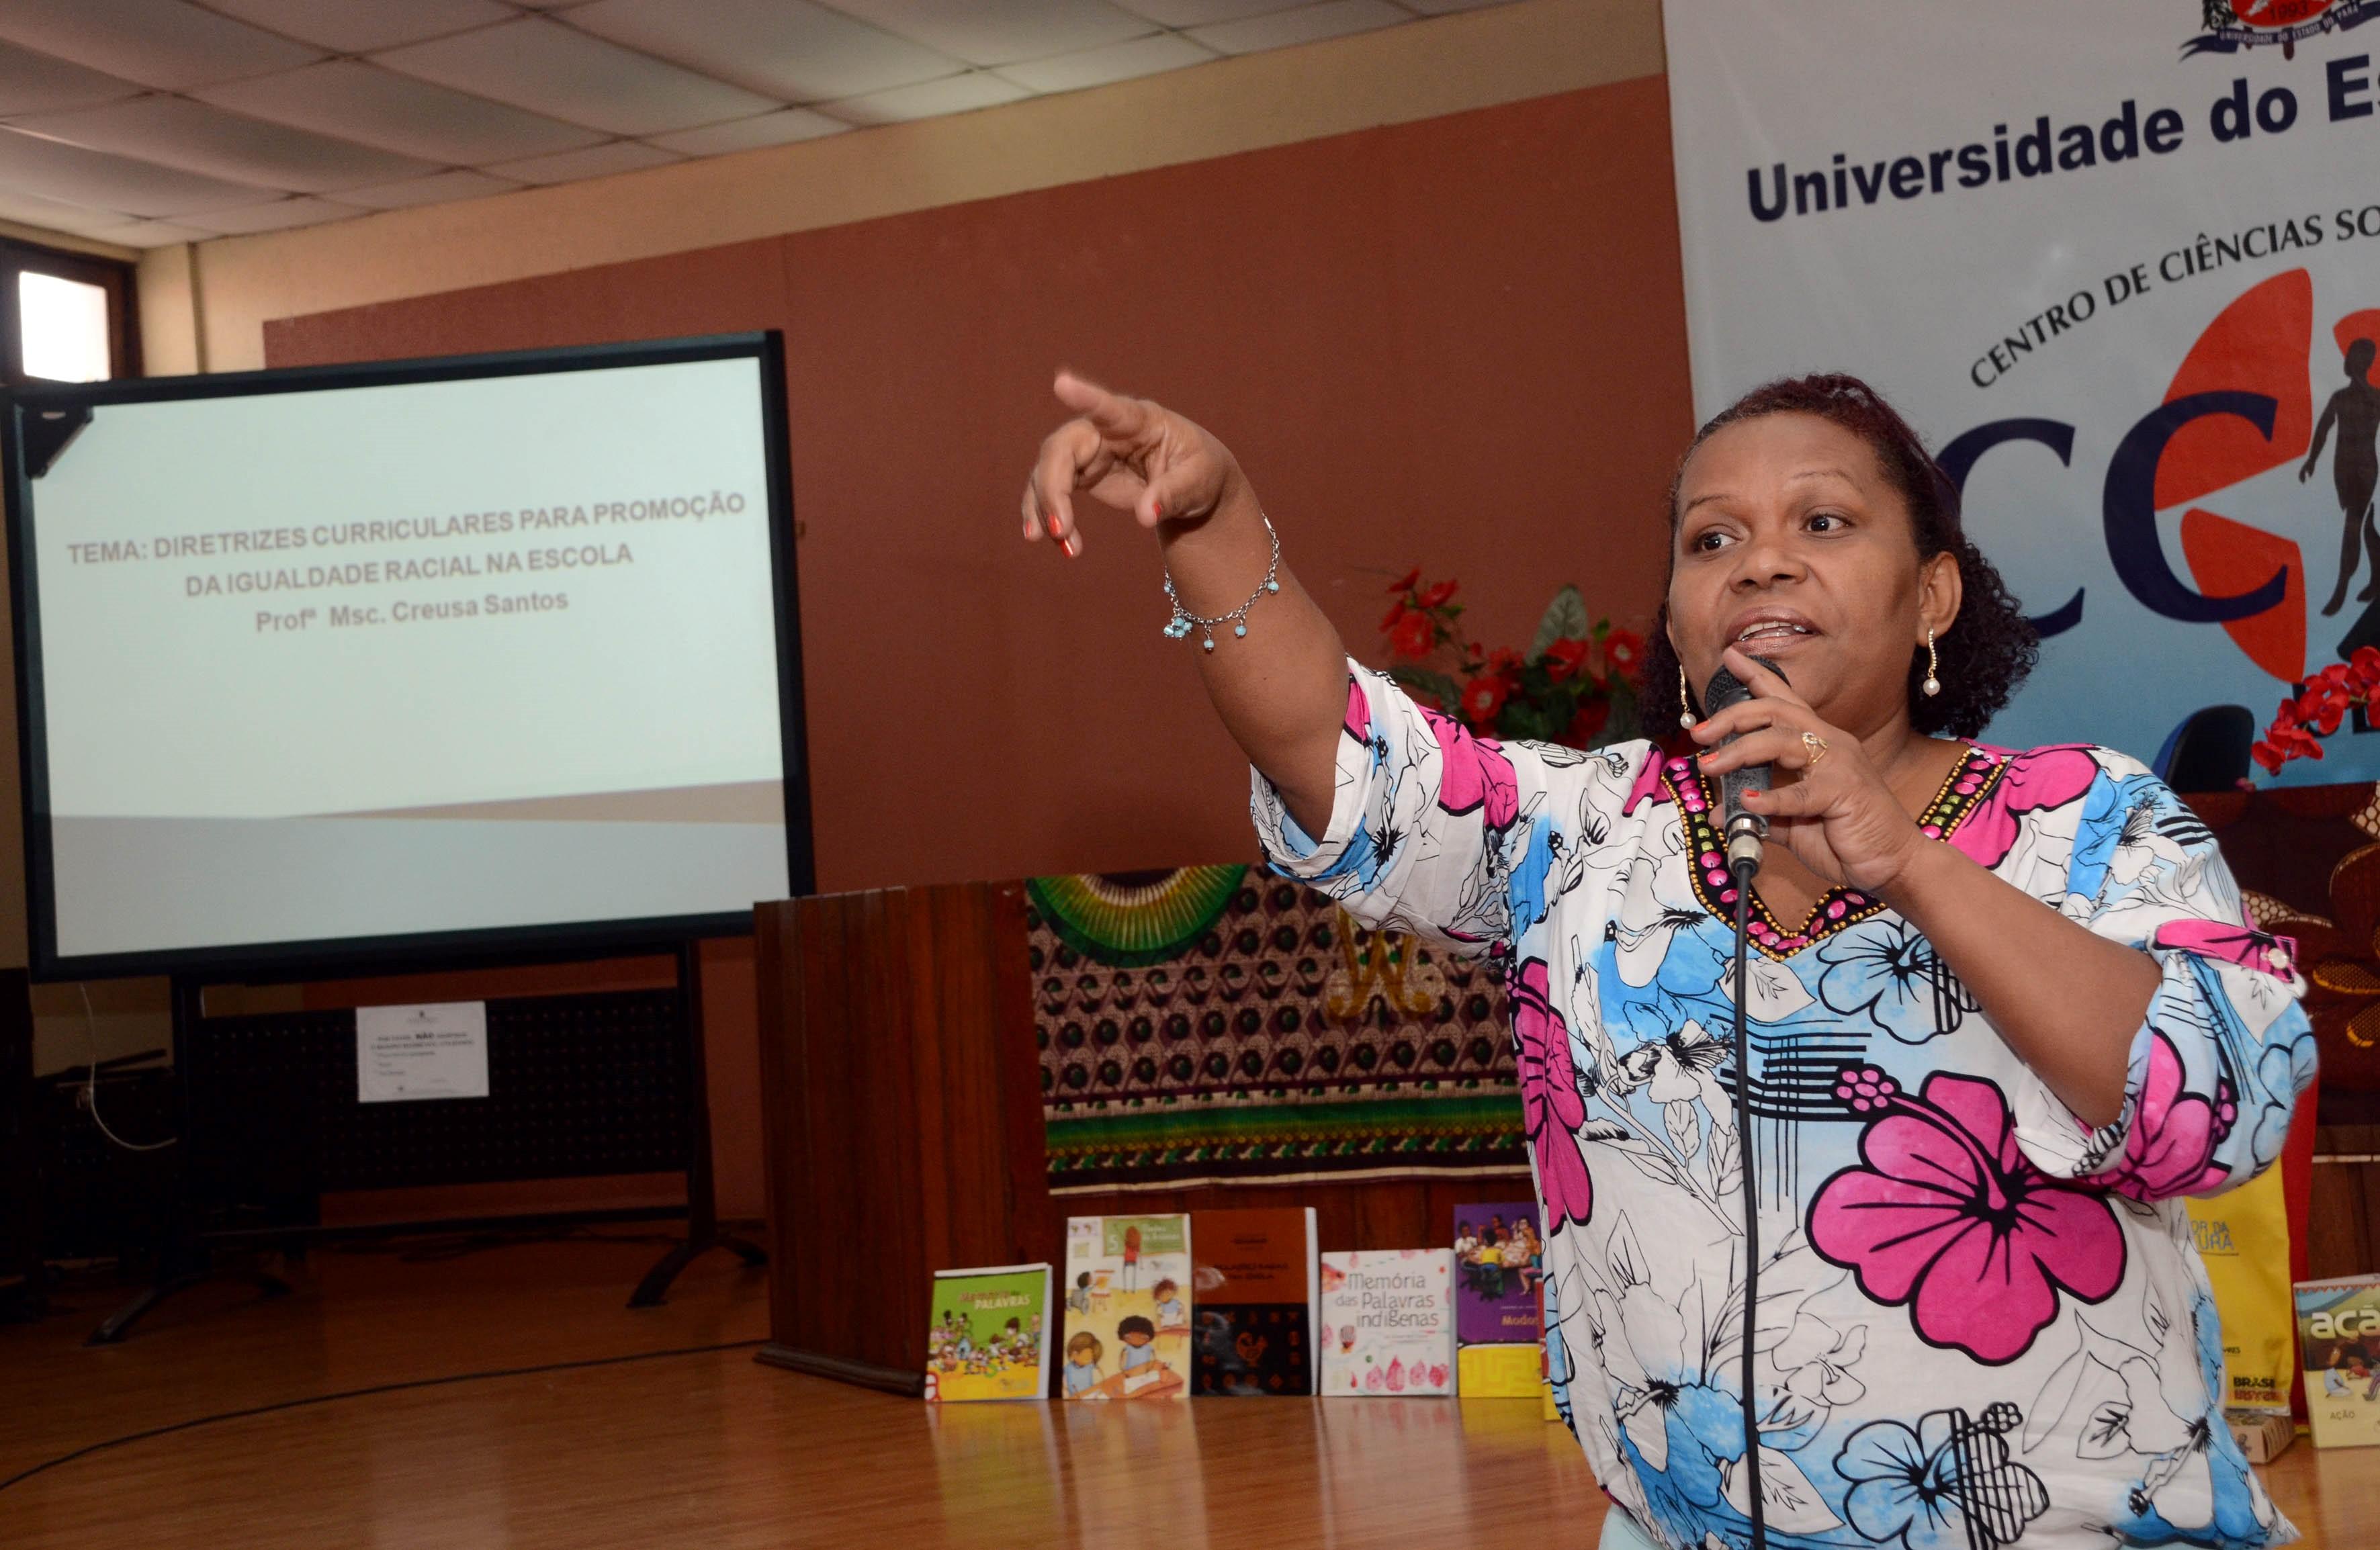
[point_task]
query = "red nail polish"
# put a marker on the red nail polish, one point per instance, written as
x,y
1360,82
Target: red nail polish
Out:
x,y
1157,508
1069,548
1053,527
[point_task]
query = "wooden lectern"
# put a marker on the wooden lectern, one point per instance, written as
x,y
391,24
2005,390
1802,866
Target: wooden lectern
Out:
x,y
901,1109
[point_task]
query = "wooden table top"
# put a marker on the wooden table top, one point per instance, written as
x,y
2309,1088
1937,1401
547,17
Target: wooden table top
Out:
x,y
710,1449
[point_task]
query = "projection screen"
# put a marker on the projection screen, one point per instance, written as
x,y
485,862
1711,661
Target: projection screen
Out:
x,y
406,659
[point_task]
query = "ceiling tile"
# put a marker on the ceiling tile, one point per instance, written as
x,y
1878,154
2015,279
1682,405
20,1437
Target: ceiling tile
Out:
x,y
33,165
149,234
198,136
359,25
279,215
1098,66
56,214
164,43
602,161
33,82
787,49
951,95
782,127
1200,13
437,188
538,64
363,102
1306,24
1004,33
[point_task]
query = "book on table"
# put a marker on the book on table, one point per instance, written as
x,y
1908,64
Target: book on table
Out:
x,y
1387,1322
989,1337
1255,1281
1498,1308
1127,1290
2339,1342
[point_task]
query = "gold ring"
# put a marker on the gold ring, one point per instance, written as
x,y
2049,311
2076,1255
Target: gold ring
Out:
x,y
1818,747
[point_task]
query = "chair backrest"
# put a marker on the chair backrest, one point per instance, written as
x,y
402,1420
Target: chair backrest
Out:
x,y
2209,751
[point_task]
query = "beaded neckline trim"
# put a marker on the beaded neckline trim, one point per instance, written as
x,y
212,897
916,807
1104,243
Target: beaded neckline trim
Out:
x,y
1962,791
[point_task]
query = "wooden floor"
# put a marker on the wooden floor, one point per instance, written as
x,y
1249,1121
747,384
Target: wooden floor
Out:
x,y
714,1450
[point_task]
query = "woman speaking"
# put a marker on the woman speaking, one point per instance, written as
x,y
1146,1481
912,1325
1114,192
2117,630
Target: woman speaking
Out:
x,y
2003,1009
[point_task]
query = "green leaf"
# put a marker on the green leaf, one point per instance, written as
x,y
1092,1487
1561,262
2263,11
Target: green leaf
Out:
x,y
1623,727
1565,619
1536,722
1438,687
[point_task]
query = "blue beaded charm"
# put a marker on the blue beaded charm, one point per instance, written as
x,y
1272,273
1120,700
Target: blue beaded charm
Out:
x,y
1179,626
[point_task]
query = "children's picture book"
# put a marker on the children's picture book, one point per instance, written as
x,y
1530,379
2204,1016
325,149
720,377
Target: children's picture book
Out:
x,y
1254,1284
1128,1295
1499,1264
989,1337
1387,1322
2338,1340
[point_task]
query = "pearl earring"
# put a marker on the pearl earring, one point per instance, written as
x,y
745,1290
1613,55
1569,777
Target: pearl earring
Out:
x,y
1933,684
1685,702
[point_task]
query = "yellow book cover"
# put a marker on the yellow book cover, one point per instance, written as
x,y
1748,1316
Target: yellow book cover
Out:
x,y
1500,1373
2244,1235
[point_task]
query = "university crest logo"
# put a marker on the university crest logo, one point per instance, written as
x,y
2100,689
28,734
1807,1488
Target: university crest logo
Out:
x,y
2232,25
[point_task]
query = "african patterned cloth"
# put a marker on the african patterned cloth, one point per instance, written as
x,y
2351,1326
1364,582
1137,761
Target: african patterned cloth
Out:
x,y
1980,1322
1212,1023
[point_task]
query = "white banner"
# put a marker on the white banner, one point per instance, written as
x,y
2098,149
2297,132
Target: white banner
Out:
x,y
2114,261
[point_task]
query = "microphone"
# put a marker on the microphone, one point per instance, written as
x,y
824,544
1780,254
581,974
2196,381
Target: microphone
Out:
x,y
1745,831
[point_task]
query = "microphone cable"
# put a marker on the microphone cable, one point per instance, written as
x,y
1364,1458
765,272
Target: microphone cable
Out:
x,y
1747,833
1743,870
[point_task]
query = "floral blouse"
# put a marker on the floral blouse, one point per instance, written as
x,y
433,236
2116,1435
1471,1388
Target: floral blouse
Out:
x,y
1981,1322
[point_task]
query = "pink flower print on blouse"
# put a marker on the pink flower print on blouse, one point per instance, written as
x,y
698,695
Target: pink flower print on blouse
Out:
x,y
1553,1111
1475,773
2033,783
2261,951
1649,784
1359,711
1946,1214
2171,1149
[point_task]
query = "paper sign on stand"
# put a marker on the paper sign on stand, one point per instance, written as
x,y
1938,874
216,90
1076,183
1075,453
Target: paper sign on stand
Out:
x,y
433,1051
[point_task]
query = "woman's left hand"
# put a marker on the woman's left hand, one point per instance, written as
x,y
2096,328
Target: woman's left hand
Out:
x,y
1829,803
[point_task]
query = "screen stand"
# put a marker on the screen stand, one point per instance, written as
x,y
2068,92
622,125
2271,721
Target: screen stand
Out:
x,y
183,1259
702,1233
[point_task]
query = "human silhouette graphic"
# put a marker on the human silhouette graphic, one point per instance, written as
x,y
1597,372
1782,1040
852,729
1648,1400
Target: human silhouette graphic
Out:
x,y
2354,469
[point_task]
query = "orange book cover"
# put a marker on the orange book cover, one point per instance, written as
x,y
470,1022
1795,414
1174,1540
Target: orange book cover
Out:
x,y
1255,1289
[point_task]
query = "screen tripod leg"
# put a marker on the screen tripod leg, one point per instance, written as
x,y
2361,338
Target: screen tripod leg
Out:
x,y
119,1324
702,1232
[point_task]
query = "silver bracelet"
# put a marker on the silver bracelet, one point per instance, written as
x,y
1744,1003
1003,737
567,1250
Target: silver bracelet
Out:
x,y
1179,625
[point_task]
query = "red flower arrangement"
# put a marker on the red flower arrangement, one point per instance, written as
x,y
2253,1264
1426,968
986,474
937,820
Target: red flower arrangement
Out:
x,y
1574,684
2318,708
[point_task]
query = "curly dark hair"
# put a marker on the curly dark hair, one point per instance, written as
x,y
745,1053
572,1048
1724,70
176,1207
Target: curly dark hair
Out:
x,y
1987,650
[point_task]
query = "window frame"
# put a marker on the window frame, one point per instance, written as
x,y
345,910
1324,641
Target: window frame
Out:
x,y
112,275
